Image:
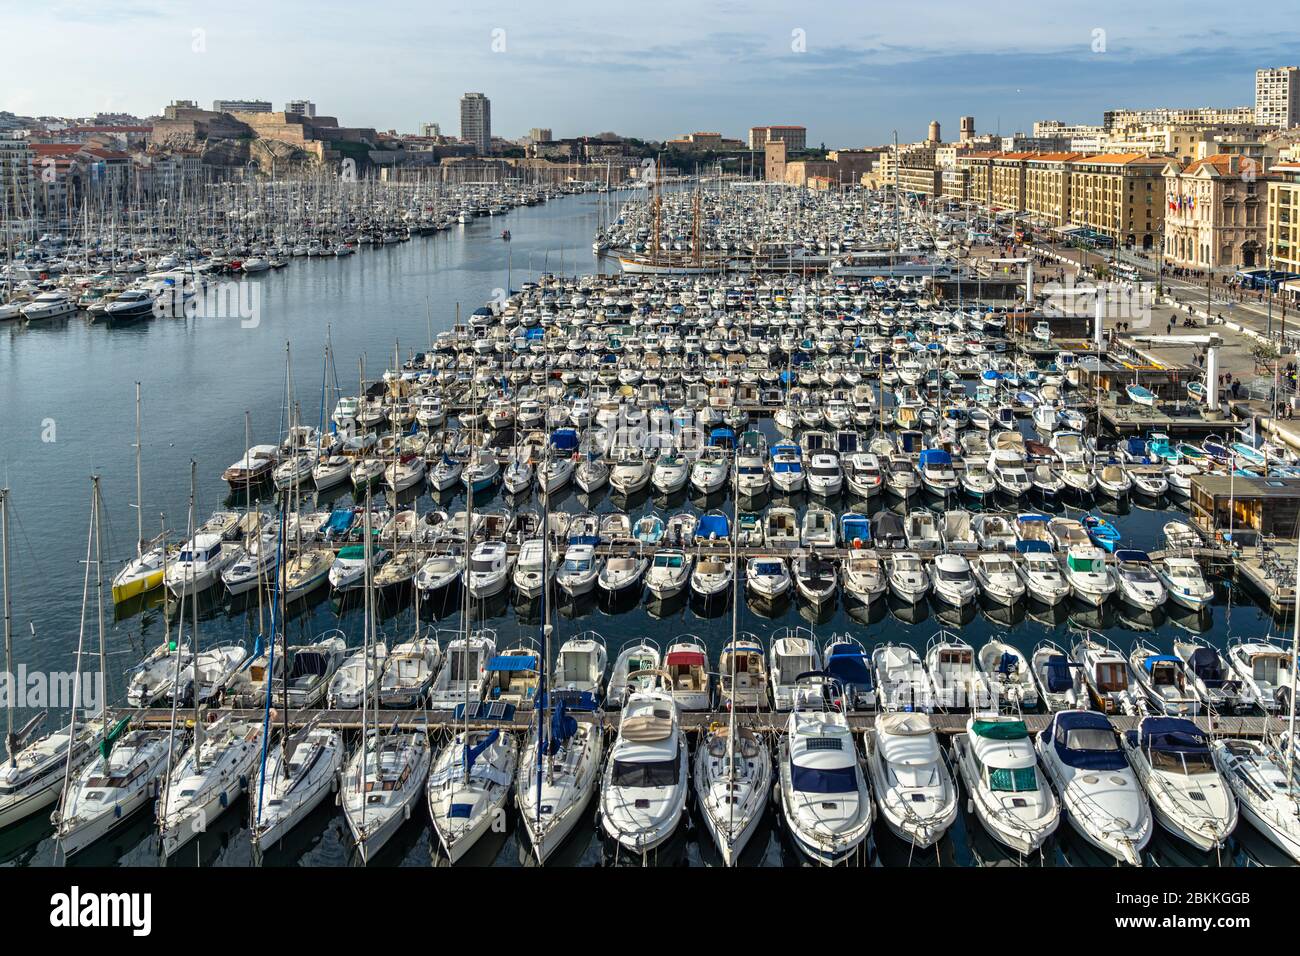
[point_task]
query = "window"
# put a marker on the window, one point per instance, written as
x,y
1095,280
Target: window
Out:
x,y
1017,780
654,773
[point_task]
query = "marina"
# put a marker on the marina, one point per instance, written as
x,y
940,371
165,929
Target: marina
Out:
x,y
559,524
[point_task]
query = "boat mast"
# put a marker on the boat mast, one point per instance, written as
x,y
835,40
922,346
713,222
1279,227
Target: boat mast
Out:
x,y
1295,656
11,744
81,643
139,492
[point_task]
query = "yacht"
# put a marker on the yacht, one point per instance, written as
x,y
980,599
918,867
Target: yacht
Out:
x,y
793,653
557,776
208,778
1100,793
381,784
1061,683
198,565
1012,799
909,775
469,785
298,774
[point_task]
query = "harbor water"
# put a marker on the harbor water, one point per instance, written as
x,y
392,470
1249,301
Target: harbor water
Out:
x,y
67,393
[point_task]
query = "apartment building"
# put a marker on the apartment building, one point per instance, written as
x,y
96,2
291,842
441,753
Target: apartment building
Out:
x,y
1283,217
1277,96
1047,187
476,122
1120,195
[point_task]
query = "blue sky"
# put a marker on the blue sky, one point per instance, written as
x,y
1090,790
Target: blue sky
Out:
x,y
850,72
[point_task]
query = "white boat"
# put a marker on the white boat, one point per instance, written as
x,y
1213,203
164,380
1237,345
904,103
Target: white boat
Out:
x,y
767,577
951,580
957,684
198,565
825,798
357,678
300,772
635,669
1161,680
579,671
48,305
1011,797
863,576
621,575
815,578
997,578
31,777
209,777
410,669
670,473
1210,676
489,570
908,580
669,573
793,652
556,779
1264,787
577,575
1099,791
1264,669
1184,583
1138,583
1091,579
742,674
1041,573
902,683
119,780
711,577
733,766
1061,683
469,785
909,776
1105,671
687,666
380,786
645,783
1008,675
1172,761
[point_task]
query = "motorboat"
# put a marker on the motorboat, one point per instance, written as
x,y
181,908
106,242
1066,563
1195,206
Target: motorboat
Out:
x,y
578,675
1138,583
815,577
711,577
687,666
1041,573
1100,793
863,576
644,786
1264,788
742,674
1264,669
1061,682
908,580
669,573
1008,675
825,797
409,672
1162,681
1011,796
913,787
622,575
462,678
1184,583
902,683
634,669
950,662
577,575
1210,676
793,652
997,578
1105,670
951,580
767,577
1172,760
1091,579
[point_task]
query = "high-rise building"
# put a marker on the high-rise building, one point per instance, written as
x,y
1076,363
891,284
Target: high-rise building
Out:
x,y
15,177
301,108
476,121
539,134
241,106
1277,96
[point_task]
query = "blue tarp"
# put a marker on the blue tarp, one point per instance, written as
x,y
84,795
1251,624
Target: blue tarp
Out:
x,y
1154,659
1173,735
1069,720
339,521
471,754
935,456
512,662
713,524
855,526
849,666
564,439
563,727
1059,679
1033,547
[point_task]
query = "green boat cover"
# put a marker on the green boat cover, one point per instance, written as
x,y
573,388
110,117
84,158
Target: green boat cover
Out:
x,y
1000,729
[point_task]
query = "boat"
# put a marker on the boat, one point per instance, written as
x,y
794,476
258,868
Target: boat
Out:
x,y
907,576
1162,681
381,784
645,782
1265,671
622,575
951,580
742,671
997,578
950,662
469,785
913,787
1184,583
793,652
1091,580
1099,791
767,577
815,577
1011,797
1138,584
1041,573
1105,670
902,683
1061,682
357,678
1008,676
1264,787
1209,675
669,573
208,778
409,672
634,669
825,797
1172,760
577,575
863,576
686,664
578,677
557,774
296,777
1140,395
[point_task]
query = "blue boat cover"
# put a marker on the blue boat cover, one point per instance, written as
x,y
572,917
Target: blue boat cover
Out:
x,y
713,524
512,662
1059,679
564,439
1175,735
783,466
580,700
471,754
339,521
935,456
1033,547
460,811
1085,759
849,666
1131,554
1008,663
1150,662
563,727
855,526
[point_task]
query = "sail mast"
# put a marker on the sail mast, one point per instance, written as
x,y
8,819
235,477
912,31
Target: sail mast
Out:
x,y
10,743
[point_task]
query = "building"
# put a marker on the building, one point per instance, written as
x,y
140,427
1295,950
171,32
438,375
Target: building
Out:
x,y
704,140
774,161
924,181
238,106
15,177
933,133
1277,96
476,121
301,108
431,130
1283,217
539,134
1215,213
978,168
1047,187
794,137
1007,182
967,129
1120,195
1167,116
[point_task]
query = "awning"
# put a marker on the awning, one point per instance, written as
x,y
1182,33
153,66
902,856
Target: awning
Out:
x,y
685,659
512,662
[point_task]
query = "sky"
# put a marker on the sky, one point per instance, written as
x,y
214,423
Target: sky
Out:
x,y
852,72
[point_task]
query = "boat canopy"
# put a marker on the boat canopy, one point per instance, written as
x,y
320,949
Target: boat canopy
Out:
x,y
1132,554
512,662
1175,735
1059,679
1149,663
685,659
339,521
722,437
1000,729
563,727
1205,664
1033,547
1080,739
855,526
353,552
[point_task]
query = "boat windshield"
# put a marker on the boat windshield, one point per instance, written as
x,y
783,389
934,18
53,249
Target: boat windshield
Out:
x,y
1186,764
577,565
1088,738
655,773
926,775
1017,780
482,565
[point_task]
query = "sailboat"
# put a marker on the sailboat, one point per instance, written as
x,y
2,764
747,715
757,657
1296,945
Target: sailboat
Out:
x,y
386,774
145,571
122,778
733,767
33,771
560,764
208,779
